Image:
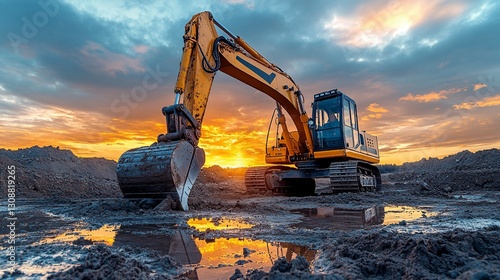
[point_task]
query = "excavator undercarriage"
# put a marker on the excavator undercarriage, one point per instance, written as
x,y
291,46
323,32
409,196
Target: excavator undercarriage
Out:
x,y
347,176
266,179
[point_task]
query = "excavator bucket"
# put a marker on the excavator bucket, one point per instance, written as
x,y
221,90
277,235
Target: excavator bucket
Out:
x,y
161,170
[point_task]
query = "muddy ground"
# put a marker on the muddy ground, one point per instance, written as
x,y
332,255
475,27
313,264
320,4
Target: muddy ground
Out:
x,y
436,220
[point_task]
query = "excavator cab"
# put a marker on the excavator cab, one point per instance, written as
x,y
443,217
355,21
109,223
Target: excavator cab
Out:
x,y
335,123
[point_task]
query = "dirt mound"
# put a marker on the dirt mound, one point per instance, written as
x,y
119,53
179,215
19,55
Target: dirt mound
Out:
x,y
464,171
213,174
390,255
219,184
46,172
465,160
102,263
52,172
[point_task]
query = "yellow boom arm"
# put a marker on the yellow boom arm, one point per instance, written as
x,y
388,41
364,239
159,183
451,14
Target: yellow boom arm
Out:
x,y
205,53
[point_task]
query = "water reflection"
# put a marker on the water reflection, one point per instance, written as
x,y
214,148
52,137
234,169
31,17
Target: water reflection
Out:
x,y
210,258
202,224
338,218
214,258
396,214
177,244
105,234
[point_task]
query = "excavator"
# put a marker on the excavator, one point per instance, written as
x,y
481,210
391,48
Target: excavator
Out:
x,y
328,144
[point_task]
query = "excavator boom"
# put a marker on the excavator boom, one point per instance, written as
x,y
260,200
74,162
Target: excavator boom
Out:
x,y
168,168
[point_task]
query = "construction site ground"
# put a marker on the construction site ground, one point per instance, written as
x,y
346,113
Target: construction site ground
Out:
x,y
434,219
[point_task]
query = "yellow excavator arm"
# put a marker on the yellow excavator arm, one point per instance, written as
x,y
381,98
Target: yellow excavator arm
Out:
x,y
170,167
205,53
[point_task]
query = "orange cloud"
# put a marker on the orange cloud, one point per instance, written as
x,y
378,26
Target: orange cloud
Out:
x,y
229,138
431,96
372,116
404,140
479,86
232,142
376,108
486,102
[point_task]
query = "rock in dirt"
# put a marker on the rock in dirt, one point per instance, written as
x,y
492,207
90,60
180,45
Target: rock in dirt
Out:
x,y
247,252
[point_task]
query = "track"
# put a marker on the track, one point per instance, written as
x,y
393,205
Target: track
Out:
x,y
255,180
264,179
353,176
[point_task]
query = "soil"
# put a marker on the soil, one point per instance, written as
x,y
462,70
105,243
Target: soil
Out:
x,y
460,172
51,172
72,223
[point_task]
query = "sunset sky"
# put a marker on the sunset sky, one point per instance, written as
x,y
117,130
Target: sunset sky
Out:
x,y
425,74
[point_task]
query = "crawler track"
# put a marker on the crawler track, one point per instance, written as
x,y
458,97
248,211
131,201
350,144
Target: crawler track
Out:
x,y
265,179
255,179
354,176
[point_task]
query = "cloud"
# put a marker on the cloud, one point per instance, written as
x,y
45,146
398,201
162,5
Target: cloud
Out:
x,y
380,23
96,56
141,49
376,108
431,96
76,81
234,142
479,86
486,102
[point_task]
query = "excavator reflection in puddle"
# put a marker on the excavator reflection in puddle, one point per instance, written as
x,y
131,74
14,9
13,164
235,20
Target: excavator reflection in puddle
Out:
x,y
339,218
210,258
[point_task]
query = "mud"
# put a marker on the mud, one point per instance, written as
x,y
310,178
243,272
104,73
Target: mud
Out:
x,y
409,230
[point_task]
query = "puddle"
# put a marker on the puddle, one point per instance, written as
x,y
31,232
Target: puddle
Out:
x,y
220,256
44,263
206,258
105,234
469,224
474,197
212,258
396,214
217,224
336,218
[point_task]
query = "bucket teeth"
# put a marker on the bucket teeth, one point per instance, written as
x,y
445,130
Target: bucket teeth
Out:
x,y
160,171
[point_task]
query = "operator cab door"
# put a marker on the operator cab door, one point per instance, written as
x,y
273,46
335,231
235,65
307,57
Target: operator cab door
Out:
x,y
336,123
350,119
327,130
